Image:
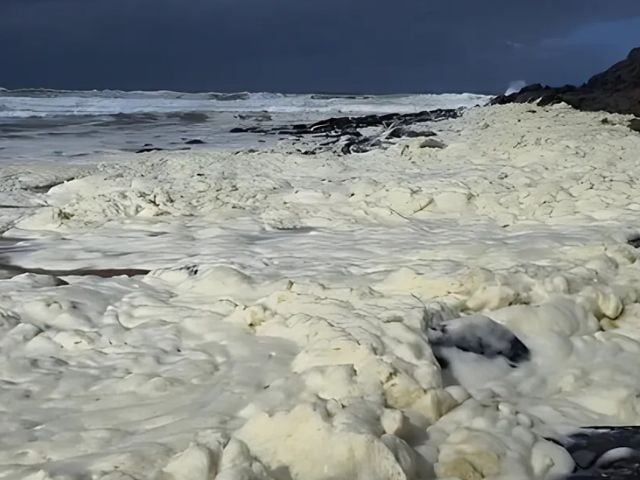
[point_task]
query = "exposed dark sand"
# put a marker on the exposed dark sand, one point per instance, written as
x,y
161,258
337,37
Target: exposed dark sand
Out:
x,y
98,272
12,245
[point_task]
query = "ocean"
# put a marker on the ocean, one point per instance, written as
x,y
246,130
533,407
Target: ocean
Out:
x,y
37,125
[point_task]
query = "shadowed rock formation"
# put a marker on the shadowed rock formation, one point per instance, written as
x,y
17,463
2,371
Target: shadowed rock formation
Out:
x,y
616,90
360,134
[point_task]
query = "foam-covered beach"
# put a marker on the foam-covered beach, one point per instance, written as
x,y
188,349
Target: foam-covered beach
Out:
x,y
457,309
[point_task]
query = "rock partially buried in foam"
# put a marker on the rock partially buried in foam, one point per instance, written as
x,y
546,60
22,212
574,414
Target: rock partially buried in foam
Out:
x,y
605,452
432,143
634,241
475,350
479,335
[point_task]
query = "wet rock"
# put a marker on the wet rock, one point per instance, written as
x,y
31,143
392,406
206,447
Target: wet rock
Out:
x,y
634,241
360,145
479,335
432,143
195,141
346,135
147,149
246,130
338,125
403,132
150,148
634,124
604,452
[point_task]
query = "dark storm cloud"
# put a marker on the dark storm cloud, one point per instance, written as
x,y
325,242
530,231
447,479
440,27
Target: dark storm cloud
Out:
x,y
304,45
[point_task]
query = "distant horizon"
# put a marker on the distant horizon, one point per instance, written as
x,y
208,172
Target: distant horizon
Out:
x,y
358,47
231,92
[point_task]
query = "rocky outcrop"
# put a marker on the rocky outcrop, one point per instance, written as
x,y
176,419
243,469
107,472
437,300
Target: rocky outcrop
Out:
x,y
617,90
345,135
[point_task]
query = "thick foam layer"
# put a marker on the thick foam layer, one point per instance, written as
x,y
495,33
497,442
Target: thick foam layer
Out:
x,y
290,323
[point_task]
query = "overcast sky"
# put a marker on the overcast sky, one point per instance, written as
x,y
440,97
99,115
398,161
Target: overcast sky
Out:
x,y
348,46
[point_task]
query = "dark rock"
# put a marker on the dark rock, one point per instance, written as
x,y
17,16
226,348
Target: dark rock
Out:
x,y
479,335
617,90
344,133
634,241
403,132
432,143
634,124
604,452
360,145
340,124
246,130
195,141
149,149
191,269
